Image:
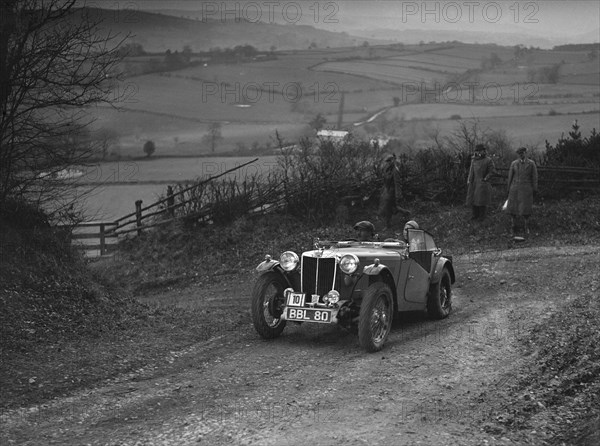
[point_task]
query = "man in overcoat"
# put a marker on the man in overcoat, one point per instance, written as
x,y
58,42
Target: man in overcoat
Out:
x,y
522,183
391,193
479,190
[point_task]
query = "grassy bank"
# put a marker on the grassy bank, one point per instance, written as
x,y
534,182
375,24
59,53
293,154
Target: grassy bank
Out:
x,y
176,256
65,327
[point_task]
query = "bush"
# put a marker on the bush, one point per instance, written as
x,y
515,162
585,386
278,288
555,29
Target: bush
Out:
x,y
317,176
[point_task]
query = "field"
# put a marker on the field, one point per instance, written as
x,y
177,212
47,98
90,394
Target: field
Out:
x,y
110,189
415,91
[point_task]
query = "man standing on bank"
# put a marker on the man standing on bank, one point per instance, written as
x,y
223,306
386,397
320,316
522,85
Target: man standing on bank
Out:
x,y
391,194
522,183
479,191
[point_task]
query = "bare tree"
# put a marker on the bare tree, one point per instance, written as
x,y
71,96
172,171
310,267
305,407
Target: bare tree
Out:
x,y
105,138
54,62
213,137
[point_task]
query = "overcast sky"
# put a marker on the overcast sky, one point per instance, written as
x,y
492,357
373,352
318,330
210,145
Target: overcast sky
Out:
x,y
551,18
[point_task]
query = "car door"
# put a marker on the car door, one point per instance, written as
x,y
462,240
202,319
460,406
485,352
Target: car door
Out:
x,y
419,265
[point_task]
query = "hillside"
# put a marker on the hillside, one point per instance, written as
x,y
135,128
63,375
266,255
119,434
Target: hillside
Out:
x,y
160,32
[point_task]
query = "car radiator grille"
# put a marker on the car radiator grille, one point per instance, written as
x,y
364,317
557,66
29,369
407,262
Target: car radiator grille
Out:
x,y
318,275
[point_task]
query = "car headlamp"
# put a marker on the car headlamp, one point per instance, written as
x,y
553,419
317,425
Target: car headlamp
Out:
x,y
289,260
349,263
332,297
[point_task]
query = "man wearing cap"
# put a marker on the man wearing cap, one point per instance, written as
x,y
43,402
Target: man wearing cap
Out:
x,y
364,231
409,225
479,190
522,183
414,243
389,203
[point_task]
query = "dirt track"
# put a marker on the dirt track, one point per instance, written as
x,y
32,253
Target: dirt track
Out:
x,y
315,386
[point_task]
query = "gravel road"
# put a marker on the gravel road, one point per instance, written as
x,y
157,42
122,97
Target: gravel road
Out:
x,y
315,386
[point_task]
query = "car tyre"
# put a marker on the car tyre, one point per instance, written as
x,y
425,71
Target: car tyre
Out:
x,y
439,299
375,318
267,299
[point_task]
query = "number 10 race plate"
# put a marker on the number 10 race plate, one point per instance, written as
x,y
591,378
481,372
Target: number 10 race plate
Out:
x,y
308,314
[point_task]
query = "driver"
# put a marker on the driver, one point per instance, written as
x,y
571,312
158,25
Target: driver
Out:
x,y
364,231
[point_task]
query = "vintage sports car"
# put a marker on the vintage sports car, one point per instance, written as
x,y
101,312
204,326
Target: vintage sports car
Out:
x,y
359,285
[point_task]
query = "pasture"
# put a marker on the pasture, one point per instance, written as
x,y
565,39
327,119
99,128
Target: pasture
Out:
x,y
423,87
110,189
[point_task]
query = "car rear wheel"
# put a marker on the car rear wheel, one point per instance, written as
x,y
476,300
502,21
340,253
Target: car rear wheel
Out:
x,y
439,300
376,314
267,304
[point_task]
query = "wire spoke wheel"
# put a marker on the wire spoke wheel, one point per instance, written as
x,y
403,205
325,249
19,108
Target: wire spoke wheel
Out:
x,y
376,315
267,303
439,300
380,321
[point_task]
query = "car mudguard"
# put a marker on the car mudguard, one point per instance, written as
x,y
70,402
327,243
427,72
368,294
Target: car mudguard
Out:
x,y
273,265
374,269
378,269
439,267
267,265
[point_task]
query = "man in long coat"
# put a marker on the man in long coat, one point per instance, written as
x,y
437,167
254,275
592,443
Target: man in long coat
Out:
x,y
391,193
522,183
479,191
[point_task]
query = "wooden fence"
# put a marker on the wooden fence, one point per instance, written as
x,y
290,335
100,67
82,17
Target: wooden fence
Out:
x,y
135,222
94,238
558,178
102,237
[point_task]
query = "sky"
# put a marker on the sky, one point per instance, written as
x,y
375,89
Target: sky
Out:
x,y
549,18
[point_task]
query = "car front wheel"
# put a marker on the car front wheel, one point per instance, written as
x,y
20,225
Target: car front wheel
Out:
x,y
375,319
439,300
267,303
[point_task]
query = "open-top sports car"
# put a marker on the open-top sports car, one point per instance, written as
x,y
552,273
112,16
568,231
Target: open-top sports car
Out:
x,y
359,285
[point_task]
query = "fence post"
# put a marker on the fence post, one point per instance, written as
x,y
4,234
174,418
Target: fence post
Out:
x,y
170,201
102,240
138,215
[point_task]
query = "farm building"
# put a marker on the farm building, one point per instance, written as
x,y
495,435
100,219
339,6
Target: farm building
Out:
x,y
335,135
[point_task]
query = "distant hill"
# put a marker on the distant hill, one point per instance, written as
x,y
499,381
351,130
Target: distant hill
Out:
x,y
159,32
412,36
578,47
510,37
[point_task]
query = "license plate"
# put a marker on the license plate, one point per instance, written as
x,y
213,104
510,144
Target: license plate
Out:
x,y
295,300
308,314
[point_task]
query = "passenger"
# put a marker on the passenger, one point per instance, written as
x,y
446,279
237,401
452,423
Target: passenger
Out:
x,y
364,231
409,225
414,244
